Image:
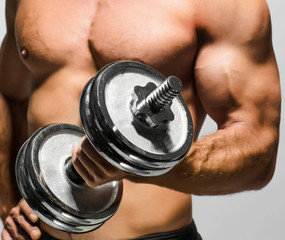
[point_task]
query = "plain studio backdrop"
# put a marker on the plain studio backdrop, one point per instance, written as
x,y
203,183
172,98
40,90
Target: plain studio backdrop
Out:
x,y
254,215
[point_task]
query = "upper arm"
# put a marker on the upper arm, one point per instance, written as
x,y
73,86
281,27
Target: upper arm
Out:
x,y
14,76
236,73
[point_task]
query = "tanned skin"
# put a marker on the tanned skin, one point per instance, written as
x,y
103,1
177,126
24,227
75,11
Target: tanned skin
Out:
x,y
221,50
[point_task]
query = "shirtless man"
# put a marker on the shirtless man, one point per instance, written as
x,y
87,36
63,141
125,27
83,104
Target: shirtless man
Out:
x,y
222,52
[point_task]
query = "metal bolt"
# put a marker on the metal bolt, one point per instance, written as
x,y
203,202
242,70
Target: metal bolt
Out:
x,y
160,97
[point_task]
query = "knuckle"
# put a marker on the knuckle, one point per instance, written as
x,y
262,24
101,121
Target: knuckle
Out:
x,y
14,211
76,154
75,160
7,222
112,172
9,226
90,181
85,142
78,150
22,204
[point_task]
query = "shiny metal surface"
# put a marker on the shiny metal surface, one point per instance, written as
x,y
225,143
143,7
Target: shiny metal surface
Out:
x,y
109,123
151,103
52,155
55,199
116,133
104,147
144,113
163,141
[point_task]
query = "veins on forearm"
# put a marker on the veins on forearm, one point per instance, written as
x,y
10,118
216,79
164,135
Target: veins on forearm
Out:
x,y
230,160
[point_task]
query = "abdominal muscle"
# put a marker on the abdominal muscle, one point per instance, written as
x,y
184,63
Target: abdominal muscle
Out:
x,y
145,208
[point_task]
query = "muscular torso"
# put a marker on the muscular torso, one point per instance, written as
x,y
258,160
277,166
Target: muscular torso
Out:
x,y
64,43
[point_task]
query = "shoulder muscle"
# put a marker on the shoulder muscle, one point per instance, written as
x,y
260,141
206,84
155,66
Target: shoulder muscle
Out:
x,y
239,21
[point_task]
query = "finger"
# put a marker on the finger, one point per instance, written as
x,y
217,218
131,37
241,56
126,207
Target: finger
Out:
x,y
96,169
36,234
5,235
90,165
96,175
101,163
23,222
86,147
92,179
20,215
14,230
28,211
82,171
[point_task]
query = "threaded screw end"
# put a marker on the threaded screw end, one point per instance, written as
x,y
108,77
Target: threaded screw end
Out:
x,y
164,94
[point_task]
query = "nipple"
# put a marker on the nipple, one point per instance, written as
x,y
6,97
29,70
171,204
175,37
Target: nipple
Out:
x,y
24,53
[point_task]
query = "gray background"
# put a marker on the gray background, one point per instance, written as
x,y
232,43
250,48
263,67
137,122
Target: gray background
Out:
x,y
250,215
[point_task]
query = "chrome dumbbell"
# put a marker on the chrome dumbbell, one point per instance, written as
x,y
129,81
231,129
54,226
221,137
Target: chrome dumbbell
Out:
x,y
134,117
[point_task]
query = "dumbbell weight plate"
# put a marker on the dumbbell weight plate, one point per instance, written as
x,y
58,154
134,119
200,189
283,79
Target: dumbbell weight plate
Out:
x,y
106,149
39,200
51,194
130,146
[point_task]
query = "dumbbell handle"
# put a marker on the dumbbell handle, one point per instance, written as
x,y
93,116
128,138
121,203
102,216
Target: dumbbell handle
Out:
x,y
158,99
71,172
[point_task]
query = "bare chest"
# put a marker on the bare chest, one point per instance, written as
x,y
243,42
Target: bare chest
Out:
x,y
92,33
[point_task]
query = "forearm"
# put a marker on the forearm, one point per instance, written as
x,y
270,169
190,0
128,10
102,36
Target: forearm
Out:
x,y
5,163
13,133
231,160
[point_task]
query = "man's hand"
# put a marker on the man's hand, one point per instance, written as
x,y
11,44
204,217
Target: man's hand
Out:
x,y
92,167
21,223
